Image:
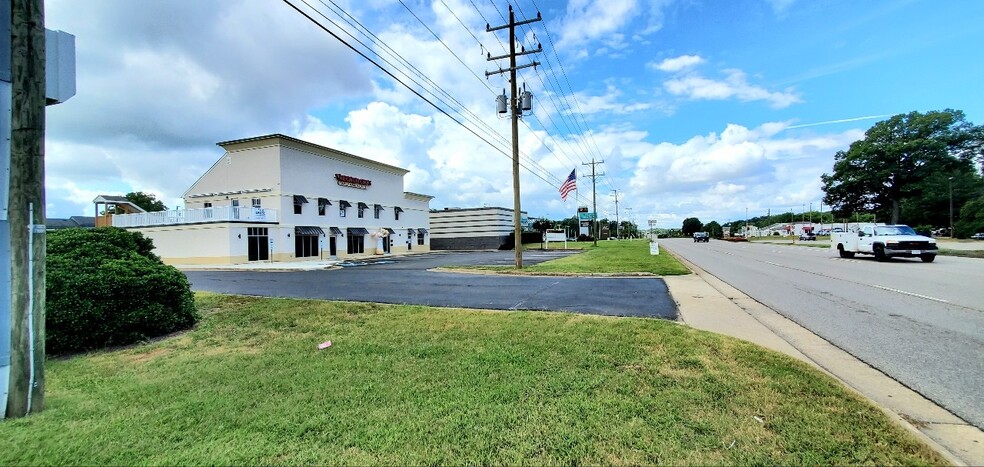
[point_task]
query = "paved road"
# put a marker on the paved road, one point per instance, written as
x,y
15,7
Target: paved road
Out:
x,y
920,323
406,280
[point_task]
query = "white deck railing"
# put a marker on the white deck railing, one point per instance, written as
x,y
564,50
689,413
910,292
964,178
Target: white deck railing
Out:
x,y
195,216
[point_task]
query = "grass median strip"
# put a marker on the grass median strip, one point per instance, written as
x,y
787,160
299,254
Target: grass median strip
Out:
x,y
416,385
609,257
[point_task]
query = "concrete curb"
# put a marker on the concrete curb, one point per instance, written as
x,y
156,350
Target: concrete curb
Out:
x,y
707,303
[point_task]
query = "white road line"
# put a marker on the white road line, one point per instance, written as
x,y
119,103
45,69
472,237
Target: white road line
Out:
x,y
910,293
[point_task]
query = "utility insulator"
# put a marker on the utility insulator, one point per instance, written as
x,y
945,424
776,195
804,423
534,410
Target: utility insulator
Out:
x,y
526,101
500,103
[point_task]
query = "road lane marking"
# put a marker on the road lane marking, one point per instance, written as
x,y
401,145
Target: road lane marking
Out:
x,y
903,292
909,293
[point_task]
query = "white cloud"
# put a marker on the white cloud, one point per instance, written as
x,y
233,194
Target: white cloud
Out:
x,y
609,103
780,6
182,72
734,85
588,20
678,63
716,176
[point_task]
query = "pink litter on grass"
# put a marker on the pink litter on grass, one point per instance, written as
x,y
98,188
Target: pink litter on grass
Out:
x,y
324,345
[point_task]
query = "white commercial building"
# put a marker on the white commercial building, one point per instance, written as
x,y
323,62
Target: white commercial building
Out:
x,y
277,198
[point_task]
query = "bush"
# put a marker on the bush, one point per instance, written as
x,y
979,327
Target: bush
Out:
x,y
924,230
105,288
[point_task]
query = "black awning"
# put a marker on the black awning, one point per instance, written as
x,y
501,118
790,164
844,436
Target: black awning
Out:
x,y
324,202
357,231
363,206
377,207
344,204
299,200
308,230
411,232
397,209
391,231
335,230
423,231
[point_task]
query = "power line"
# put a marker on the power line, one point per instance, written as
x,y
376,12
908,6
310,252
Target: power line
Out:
x,y
408,87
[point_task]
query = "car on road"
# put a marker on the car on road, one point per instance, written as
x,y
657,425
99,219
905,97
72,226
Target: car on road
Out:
x,y
978,236
808,236
702,237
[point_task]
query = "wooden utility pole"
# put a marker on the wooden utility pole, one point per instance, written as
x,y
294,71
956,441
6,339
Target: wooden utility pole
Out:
x,y
617,235
594,198
26,209
516,110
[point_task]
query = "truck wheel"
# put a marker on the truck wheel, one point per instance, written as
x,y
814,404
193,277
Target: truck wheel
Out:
x,y
844,254
927,258
880,253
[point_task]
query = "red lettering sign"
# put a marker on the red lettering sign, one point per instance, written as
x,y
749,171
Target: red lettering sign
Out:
x,y
354,182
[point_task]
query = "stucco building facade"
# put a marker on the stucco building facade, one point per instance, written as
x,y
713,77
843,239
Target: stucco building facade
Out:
x,y
278,198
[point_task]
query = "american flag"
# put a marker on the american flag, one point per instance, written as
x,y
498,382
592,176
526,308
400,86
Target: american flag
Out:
x,y
569,185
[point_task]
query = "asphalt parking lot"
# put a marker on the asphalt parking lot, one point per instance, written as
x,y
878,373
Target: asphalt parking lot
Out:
x,y
411,280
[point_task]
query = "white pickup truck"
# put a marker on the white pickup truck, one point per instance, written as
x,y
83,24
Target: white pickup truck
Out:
x,y
884,241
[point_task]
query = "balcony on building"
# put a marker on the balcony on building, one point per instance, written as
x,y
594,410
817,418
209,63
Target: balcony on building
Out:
x,y
197,216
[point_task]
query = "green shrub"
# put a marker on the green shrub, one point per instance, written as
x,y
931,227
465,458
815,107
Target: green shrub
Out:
x,y
924,230
105,287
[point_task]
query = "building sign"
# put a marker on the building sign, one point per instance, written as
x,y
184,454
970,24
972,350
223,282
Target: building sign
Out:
x,y
352,182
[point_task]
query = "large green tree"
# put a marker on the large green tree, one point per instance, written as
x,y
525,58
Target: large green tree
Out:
x,y
147,201
888,166
714,229
691,225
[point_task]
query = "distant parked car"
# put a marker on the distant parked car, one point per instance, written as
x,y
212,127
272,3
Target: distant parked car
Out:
x,y
808,236
978,236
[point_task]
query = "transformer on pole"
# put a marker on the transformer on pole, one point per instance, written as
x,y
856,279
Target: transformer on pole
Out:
x,y
517,105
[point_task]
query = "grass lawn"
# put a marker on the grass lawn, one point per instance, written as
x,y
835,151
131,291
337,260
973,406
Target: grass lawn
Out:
x,y
609,257
416,385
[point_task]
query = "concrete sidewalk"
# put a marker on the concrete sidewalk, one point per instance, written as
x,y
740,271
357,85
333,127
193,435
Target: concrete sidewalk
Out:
x,y
707,303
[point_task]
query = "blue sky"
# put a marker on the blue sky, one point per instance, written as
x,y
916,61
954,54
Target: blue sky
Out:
x,y
698,108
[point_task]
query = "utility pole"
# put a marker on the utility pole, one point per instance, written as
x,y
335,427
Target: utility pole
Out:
x,y
594,197
26,208
516,109
950,180
616,215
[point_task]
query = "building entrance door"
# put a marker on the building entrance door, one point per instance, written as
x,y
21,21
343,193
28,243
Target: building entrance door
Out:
x,y
332,249
257,239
